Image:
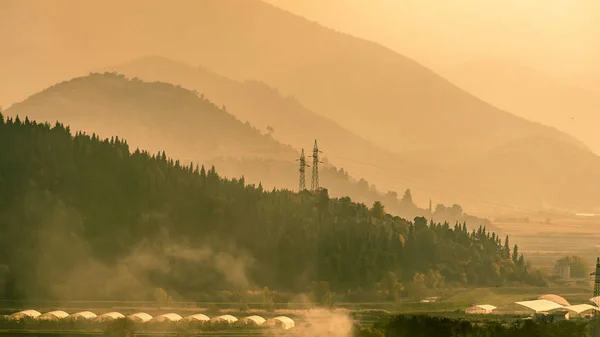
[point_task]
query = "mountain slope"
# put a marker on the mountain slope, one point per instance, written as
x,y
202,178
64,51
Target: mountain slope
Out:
x,y
160,116
540,172
370,90
291,123
531,94
151,115
367,88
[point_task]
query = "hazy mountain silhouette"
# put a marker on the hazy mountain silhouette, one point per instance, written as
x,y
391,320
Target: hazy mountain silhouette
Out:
x,y
540,171
367,88
533,95
586,81
291,123
161,116
153,116
158,116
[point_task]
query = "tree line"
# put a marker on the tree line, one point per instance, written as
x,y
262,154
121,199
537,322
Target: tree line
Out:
x,y
86,218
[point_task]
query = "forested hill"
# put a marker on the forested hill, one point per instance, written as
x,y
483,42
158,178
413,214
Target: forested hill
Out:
x,y
83,218
292,123
158,116
152,115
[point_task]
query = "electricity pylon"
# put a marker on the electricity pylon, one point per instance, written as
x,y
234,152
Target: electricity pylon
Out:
x,y
596,299
314,185
302,182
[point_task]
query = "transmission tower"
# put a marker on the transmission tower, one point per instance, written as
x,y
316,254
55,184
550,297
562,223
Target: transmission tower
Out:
x,y
314,185
302,160
596,299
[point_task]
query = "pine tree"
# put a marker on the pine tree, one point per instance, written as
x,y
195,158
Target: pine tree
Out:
x,y
506,254
515,256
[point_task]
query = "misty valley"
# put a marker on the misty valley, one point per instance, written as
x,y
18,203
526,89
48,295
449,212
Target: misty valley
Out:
x,y
274,168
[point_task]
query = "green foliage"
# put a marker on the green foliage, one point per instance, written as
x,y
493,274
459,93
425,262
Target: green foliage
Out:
x,y
434,279
578,266
121,327
369,332
392,286
322,295
267,300
85,218
418,287
378,210
244,307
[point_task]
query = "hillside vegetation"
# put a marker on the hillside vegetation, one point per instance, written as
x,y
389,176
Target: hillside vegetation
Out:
x,y
158,115
153,115
371,91
83,218
287,120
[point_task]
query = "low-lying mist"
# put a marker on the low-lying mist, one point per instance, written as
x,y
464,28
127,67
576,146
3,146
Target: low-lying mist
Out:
x,y
62,265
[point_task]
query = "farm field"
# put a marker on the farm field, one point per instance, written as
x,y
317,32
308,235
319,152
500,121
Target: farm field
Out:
x,y
543,243
450,300
451,304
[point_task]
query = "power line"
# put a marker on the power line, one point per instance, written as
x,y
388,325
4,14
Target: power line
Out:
x,y
390,174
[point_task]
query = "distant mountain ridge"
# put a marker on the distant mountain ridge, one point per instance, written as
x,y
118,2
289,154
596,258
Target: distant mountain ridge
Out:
x,y
290,122
531,94
151,115
372,91
365,87
158,116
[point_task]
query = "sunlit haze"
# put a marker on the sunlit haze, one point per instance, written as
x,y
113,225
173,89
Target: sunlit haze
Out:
x,y
300,168
558,37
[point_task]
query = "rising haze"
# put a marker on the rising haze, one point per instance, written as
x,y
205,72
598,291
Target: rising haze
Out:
x,y
391,102
153,157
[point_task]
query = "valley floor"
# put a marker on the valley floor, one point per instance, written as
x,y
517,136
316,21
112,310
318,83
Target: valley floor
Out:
x,y
544,242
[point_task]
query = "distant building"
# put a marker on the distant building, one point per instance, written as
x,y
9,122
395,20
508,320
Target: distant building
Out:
x,y
481,309
560,315
563,270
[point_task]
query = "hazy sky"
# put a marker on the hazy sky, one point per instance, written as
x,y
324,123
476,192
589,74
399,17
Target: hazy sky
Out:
x,y
559,37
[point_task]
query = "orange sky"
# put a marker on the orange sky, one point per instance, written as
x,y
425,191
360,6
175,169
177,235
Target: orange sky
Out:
x,y
559,37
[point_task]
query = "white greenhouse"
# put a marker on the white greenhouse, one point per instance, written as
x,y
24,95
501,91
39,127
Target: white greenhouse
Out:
x,y
581,309
83,315
53,315
170,317
254,319
197,317
109,316
225,318
540,306
140,317
24,314
283,322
